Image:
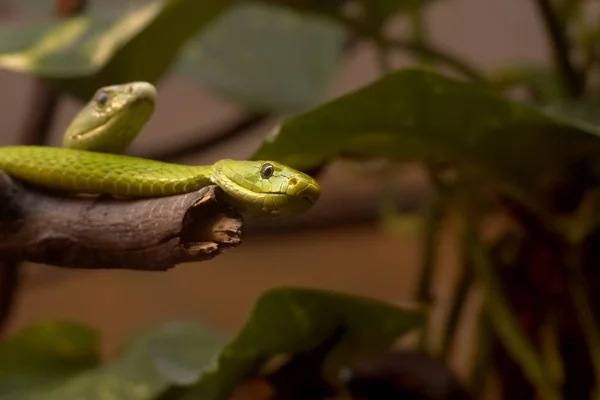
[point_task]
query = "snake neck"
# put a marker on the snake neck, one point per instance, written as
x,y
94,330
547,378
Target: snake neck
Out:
x,y
202,175
242,199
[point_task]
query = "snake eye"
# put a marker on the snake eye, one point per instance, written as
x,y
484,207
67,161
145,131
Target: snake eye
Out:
x,y
266,171
102,98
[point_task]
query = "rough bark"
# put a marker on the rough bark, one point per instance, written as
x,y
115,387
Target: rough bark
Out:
x,y
101,232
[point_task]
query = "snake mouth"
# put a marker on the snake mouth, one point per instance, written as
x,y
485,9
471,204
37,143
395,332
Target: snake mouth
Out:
x,y
308,199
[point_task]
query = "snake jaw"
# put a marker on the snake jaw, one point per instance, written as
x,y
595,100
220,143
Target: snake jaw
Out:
x,y
285,192
105,113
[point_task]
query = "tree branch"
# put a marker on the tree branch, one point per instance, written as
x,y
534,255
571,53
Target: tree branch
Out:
x,y
439,56
45,98
148,234
42,110
9,283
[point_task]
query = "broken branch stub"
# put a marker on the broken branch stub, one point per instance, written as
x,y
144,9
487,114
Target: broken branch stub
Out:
x,y
152,234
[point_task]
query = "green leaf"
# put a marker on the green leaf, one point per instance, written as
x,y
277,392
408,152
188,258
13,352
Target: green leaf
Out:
x,y
172,354
419,115
44,355
287,320
115,44
584,114
292,320
266,57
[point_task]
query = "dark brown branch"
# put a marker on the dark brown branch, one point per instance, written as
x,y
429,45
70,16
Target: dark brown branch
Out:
x,y
204,143
45,98
147,234
42,110
9,283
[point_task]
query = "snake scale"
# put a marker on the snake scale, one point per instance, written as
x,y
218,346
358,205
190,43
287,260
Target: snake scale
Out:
x,y
91,161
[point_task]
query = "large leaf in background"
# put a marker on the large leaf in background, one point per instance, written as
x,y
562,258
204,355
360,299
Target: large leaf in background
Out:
x,y
114,44
292,320
416,114
171,354
266,57
286,320
44,355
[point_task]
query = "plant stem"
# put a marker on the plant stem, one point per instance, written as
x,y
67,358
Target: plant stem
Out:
x,y
383,57
561,48
437,55
429,239
483,355
550,350
459,297
206,142
383,53
506,326
586,316
422,50
419,33
435,212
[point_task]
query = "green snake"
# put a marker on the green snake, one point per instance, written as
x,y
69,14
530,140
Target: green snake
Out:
x,y
89,162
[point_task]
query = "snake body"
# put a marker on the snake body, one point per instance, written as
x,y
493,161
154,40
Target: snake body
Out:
x,y
89,162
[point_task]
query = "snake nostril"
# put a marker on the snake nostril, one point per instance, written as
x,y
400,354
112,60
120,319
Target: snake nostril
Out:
x,y
293,181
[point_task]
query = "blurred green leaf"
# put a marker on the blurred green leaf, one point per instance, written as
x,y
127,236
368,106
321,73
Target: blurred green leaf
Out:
x,y
292,320
582,113
115,44
286,320
419,115
266,57
44,355
14,37
172,354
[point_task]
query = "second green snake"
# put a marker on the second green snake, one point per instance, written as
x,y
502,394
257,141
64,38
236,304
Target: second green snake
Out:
x,y
88,163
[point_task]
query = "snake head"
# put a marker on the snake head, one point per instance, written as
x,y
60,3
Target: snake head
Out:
x,y
112,118
265,188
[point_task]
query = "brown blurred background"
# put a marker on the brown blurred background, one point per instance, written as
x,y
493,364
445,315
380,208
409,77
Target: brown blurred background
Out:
x,y
356,254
